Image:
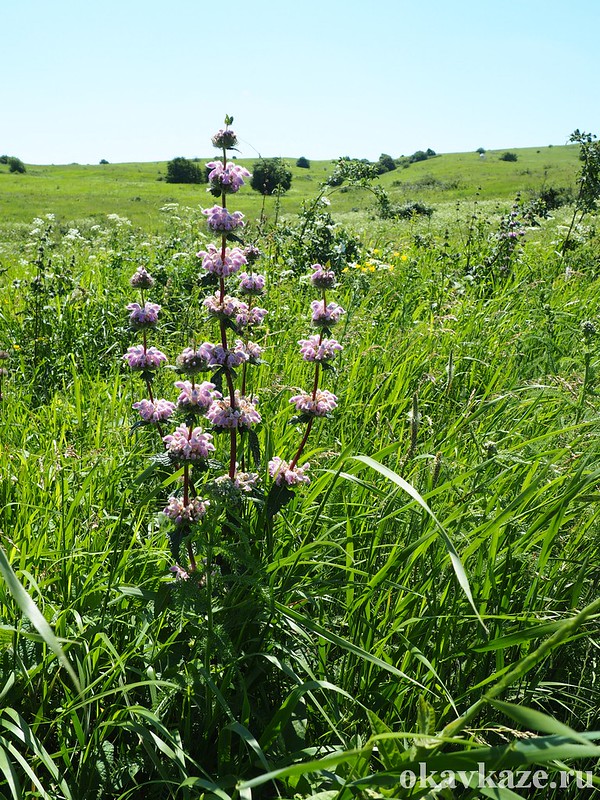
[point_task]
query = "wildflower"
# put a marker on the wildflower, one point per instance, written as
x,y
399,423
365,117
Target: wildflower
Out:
x,y
186,444
145,317
283,474
154,411
213,262
322,278
220,220
228,179
224,139
252,284
242,482
193,361
245,481
251,253
141,279
250,317
242,415
182,514
196,398
316,349
179,573
226,308
588,328
318,406
325,315
224,357
251,350
139,358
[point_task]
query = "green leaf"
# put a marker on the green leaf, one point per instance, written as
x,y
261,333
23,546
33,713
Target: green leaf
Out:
x,y
278,497
452,552
35,616
535,720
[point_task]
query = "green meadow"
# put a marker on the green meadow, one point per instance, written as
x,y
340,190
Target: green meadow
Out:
x,y
138,191
427,605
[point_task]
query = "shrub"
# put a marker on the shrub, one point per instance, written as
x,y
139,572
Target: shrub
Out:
x,y
554,197
414,209
270,175
103,161
385,164
15,165
182,170
302,162
508,157
480,150
3,159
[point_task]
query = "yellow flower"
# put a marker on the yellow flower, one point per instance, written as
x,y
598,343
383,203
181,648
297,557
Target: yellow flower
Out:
x,y
16,347
376,251
404,257
395,254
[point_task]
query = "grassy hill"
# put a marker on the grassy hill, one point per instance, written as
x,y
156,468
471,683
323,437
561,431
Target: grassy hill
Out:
x,y
138,190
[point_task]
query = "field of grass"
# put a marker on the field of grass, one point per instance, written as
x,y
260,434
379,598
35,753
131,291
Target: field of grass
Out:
x,y
77,192
431,597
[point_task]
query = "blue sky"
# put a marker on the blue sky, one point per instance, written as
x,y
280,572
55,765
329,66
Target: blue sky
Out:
x,y
145,80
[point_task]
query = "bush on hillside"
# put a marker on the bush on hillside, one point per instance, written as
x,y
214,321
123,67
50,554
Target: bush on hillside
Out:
x,y
270,175
508,157
385,164
302,162
15,165
554,197
3,159
182,170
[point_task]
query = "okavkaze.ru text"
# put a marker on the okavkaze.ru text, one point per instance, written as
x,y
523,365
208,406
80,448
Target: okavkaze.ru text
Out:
x,y
499,779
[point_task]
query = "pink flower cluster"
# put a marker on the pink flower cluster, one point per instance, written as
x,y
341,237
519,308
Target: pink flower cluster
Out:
x,y
213,262
231,308
220,220
196,398
226,307
253,284
182,514
224,139
193,361
242,416
242,481
283,474
322,278
318,406
186,444
141,279
140,358
154,411
250,317
324,316
229,178
145,317
251,350
316,349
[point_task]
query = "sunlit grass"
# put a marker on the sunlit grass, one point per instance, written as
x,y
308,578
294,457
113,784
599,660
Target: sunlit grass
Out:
x,y
347,621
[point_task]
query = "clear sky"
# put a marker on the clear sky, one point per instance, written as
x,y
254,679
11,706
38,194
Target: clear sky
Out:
x,y
146,80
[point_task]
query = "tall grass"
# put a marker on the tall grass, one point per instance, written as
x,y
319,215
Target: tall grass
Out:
x,y
335,646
